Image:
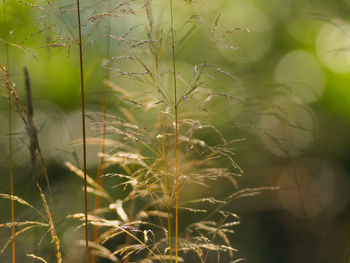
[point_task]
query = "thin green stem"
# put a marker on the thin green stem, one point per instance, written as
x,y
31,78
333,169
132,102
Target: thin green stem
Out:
x,y
10,137
176,135
84,135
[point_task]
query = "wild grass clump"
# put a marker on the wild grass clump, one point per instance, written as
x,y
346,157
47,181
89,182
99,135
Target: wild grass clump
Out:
x,y
161,162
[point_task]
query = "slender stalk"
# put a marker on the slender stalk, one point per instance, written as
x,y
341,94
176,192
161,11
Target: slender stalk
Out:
x,y
84,135
11,180
165,168
10,138
176,136
102,147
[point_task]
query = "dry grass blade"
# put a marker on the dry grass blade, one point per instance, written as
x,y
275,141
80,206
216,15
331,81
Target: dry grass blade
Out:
x,y
126,251
17,199
101,251
21,110
116,88
97,221
97,188
210,200
165,257
81,174
214,27
54,236
21,201
100,194
19,224
19,232
219,231
239,260
124,159
120,211
37,258
31,5
99,16
231,32
141,244
247,192
38,32
22,48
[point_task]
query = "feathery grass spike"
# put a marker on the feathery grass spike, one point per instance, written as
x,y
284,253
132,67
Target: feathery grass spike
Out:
x,y
54,237
37,158
84,135
10,137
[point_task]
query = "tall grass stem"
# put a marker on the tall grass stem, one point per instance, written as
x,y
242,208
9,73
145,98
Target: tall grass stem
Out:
x,y
84,134
176,135
167,196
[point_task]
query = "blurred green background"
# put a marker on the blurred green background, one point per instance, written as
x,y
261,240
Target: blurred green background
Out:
x,y
290,64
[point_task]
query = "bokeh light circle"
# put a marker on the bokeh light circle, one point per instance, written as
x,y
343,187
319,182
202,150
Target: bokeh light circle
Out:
x,y
332,45
301,72
243,46
307,187
287,129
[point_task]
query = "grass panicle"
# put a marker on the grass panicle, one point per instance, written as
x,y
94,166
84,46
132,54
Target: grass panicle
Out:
x,y
26,226
159,158
54,237
37,159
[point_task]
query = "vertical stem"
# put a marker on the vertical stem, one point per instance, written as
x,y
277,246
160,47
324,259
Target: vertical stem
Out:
x,y
10,138
176,136
165,168
84,135
102,147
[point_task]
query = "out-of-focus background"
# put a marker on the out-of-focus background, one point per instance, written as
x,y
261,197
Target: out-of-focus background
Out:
x,y
290,67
